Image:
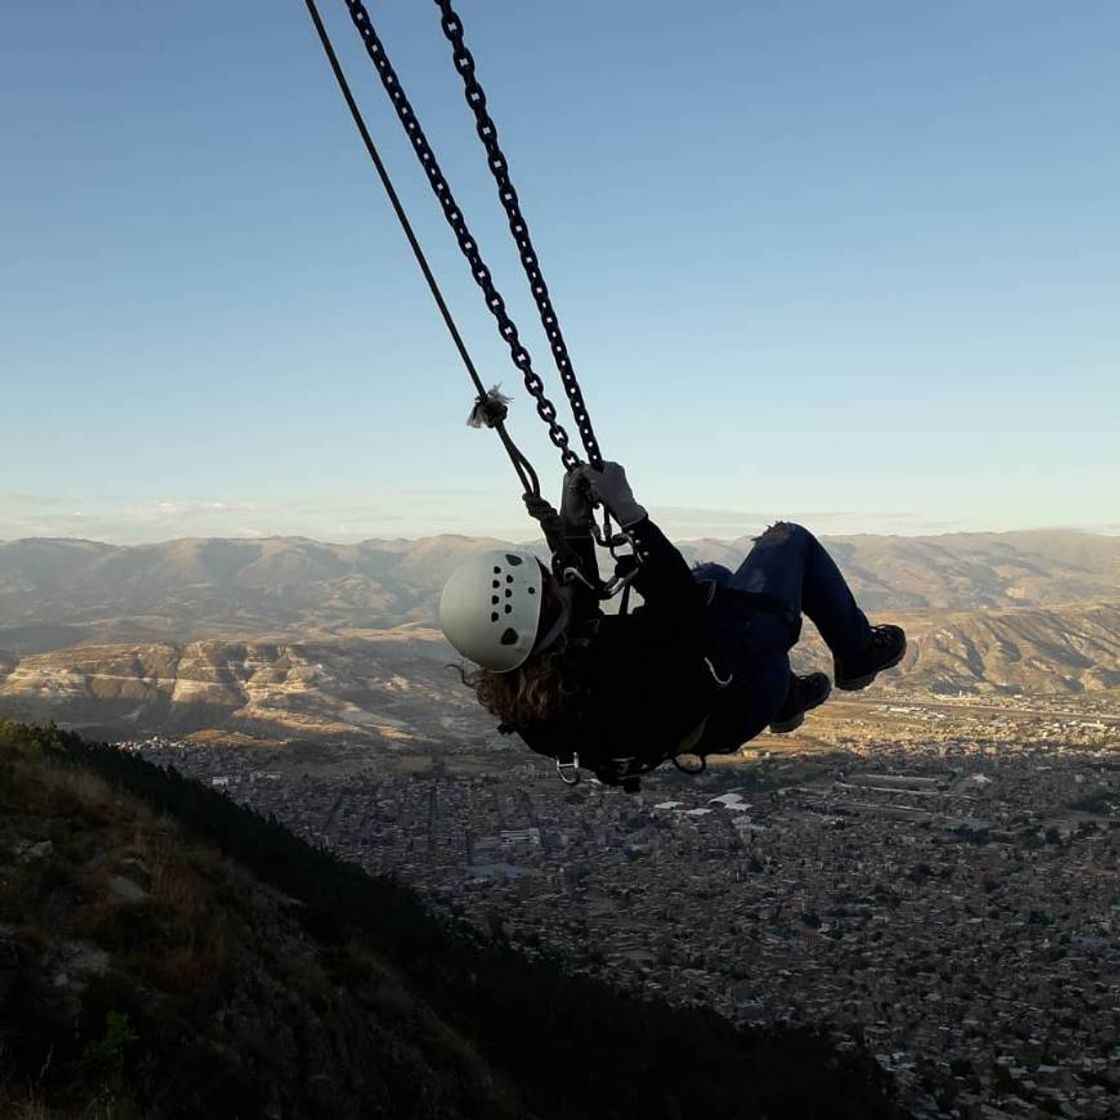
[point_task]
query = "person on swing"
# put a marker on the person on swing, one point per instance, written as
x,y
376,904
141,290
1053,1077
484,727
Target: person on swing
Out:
x,y
701,667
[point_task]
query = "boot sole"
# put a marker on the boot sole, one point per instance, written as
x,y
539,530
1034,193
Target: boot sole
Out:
x,y
788,724
794,722
854,684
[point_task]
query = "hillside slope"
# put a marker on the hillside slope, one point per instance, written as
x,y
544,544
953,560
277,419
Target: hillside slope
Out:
x,y
369,687
140,970
1059,651
142,974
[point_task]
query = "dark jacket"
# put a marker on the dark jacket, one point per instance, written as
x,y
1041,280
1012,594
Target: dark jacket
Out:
x,y
646,682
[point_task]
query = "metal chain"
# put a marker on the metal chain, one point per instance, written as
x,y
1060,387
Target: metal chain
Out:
x,y
499,166
546,410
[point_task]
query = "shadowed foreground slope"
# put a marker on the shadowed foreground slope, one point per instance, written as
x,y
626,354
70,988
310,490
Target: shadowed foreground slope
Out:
x,y
142,973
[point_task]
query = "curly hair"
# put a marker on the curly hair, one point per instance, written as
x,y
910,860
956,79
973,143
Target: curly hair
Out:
x,y
543,688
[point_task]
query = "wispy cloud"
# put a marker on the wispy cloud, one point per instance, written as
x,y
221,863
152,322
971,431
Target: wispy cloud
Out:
x,y
685,521
388,512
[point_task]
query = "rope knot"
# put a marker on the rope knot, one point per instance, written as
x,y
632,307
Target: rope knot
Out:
x,y
490,410
540,509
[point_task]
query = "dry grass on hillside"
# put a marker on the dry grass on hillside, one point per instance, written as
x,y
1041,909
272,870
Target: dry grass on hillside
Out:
x,y
175,939
132,957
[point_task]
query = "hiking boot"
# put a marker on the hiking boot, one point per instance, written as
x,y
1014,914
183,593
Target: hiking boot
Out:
x,y
804,694
884,650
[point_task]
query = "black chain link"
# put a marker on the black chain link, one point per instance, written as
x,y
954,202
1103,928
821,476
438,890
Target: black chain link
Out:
x,y
507,195
546,410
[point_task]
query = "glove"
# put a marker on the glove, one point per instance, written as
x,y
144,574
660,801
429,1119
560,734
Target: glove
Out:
x,y
610,487
575,505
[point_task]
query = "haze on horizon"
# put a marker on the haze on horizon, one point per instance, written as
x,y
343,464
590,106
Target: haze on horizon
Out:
x,y
432,516
854,266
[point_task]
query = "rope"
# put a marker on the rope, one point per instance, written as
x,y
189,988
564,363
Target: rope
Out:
x,y
484,409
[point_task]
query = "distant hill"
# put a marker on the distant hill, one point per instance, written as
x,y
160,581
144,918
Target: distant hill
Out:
x,y
1057,651
974,571
394,687
56,593
166,953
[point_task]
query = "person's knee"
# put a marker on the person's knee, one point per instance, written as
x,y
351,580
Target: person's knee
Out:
x,y
710,572
782,531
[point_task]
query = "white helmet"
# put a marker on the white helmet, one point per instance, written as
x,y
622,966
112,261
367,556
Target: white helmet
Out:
x,y
491,606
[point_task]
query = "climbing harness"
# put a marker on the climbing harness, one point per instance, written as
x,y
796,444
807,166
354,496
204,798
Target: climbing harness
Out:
x,y
491,407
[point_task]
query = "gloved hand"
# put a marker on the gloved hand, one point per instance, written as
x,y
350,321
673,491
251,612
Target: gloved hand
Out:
x,y
610,487
575,504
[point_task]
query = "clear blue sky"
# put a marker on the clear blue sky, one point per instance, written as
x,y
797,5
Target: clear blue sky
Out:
x,y
857,264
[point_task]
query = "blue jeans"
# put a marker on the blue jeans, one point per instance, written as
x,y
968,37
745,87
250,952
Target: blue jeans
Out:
x,y
786,574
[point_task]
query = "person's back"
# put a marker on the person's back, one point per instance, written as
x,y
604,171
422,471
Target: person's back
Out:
x,y
702,666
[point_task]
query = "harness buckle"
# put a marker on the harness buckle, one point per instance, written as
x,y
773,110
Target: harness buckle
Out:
x,y
606,538
625,569
568,772
720,681
572,574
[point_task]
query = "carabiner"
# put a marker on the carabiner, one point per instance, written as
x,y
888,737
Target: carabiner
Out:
x,y
571,778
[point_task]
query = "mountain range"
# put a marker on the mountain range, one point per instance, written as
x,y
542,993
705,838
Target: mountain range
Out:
x,y
58,592
292,637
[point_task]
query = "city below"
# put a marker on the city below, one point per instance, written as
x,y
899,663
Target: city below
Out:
x,y
934,878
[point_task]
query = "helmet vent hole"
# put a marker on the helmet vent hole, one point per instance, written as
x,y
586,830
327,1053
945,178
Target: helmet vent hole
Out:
x,y
509,636
532,591
509,579
509,594
494,600
513,559
497,571
495,585
509,609
494,616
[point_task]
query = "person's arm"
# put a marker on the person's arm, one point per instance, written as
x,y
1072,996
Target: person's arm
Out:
x,y
664,579
576,515
568,533
663,575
